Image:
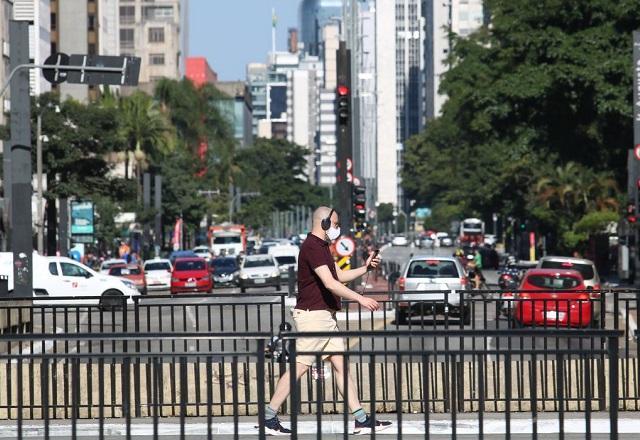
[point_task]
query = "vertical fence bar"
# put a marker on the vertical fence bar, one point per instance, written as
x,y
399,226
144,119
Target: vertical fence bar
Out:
x,y
261,385
425,393
44,395
293,383
100,397
587,389
157,389
234,394
319,382
560,387
126,395
507,390
481,360
398,397
210,394
184,390
20,394
612,345
75,396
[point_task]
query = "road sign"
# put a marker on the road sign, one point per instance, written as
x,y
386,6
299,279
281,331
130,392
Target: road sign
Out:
x,y
349,164
128,76
345,246
56,75
636,151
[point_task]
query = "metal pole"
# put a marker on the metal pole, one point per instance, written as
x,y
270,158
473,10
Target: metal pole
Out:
x,y
146,202
21,173
40,214
63,231
158,220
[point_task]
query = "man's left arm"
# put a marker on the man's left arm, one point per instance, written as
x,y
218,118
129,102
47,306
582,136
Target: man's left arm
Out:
x,y
345,276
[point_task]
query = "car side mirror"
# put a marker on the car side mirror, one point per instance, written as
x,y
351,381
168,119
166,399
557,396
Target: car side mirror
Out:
x,y
87,275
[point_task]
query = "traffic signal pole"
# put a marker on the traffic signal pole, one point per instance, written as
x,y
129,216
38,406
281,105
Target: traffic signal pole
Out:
x,y
344,148
634,167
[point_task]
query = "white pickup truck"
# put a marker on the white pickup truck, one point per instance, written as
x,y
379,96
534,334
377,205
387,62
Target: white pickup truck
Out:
x,y
60,277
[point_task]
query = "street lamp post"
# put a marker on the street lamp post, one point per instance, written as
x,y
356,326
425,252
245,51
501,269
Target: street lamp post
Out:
x,y
40,216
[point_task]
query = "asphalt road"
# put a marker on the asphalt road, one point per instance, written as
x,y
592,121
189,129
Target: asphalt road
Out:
x,y
261,310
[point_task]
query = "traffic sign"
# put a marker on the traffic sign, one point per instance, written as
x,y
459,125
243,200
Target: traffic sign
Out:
x,y
345,246
349,164
56,75
636,151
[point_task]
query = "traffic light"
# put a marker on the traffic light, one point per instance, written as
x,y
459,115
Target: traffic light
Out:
x,y
343,104
631,213
359,206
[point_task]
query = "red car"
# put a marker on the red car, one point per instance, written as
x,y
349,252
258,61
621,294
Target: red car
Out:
x,y
131,272
191,275
553,297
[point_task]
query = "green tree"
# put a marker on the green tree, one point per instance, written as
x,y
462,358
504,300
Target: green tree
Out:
x,y
276,169
546,84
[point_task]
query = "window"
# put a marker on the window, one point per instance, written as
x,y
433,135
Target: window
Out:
x,y
227,240
73,270
432,269
259,262
162,265
190,265
156,59
586,270
157,12
286,259
553,282
53,269
127,14
122,271
126,37
91,22
156,35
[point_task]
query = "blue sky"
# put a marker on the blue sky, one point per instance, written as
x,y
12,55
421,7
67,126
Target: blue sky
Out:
x,y
232,33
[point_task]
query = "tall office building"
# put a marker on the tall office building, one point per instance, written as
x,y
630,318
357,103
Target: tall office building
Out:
x,y
236,108
461,17
386,108
68,35
314,16
157,32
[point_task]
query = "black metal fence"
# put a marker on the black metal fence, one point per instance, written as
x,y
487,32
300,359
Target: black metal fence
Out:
x,y
76,392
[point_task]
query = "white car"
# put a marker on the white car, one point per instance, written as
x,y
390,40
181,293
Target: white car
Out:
x,y
399,240
106,264
259,271
202,251
60,277
158,274
445,240
490,239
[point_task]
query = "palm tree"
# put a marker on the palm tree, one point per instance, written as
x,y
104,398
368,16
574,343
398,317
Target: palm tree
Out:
x,y
145,129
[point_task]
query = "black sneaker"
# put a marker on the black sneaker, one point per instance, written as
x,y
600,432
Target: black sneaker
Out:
x,y
273,427
367,426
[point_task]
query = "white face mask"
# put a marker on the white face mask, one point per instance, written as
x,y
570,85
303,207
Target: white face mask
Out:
x,y
333,233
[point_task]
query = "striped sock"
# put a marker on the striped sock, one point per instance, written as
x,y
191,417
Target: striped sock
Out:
x,y
360,415
269,413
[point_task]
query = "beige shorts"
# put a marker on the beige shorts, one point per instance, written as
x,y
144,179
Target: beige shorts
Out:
x,y
316,321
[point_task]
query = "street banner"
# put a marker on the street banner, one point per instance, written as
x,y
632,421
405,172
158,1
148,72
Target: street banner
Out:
x,y
81,218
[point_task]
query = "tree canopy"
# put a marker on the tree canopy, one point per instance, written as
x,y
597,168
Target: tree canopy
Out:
x,y
547,84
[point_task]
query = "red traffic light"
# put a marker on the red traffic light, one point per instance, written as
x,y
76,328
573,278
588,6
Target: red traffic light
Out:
x,y
631,218
343,90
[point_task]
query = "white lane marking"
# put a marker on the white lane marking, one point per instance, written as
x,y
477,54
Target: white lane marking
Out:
x,y
437,427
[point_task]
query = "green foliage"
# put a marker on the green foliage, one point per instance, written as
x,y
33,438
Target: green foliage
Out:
x,y
539,108
275,169
385,212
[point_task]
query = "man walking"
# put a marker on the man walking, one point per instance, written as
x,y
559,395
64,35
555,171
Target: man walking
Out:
x,y
320,287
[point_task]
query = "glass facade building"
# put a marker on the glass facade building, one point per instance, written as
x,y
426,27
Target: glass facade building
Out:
x,y
314,15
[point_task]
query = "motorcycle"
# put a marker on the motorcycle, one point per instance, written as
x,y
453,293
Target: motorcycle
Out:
x,y
508,281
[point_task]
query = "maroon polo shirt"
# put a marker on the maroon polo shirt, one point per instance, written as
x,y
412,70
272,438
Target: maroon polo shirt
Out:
x,y
312,294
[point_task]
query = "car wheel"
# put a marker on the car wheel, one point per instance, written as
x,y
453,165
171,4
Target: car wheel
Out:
x,y
112,299
401,317
243,289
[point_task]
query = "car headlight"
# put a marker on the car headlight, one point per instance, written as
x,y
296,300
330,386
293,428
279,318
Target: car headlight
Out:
x,y
244,276
275,274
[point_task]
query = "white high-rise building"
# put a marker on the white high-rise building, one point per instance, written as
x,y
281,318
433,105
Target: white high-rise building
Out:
x,y
461,17
386,98
157,32
38,12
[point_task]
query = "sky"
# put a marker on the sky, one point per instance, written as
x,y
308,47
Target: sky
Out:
x,y
233,33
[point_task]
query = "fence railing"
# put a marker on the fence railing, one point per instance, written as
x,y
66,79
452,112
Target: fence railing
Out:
x,y
73,390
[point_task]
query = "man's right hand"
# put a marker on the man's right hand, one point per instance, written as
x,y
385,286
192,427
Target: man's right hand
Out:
x,y
369,303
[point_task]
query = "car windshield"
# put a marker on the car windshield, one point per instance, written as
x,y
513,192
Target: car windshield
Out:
x,y
586,270
224,263
124,271
286,259
553,281
227,240
260,262
160,265
190,265
432,269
